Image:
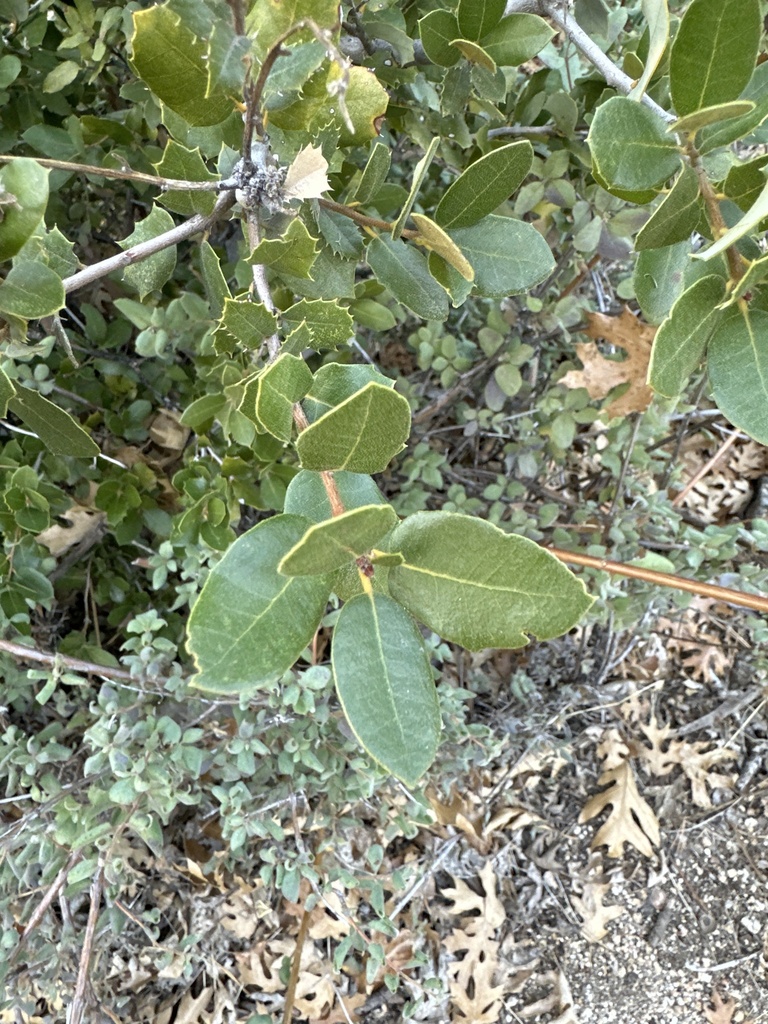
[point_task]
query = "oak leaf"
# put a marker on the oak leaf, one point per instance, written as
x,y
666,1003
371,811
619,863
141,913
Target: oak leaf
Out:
x,y
601,375
631,819
590,908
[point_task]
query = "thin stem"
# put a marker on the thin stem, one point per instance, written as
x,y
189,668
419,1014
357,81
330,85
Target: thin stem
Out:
x,y
293,978
200,222
78,999
121,175
260,283
665,579
89,668
714,213
329,483
53,891
360,218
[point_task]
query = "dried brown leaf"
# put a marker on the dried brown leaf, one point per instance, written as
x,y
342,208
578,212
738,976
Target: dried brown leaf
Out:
x,y
626,804
601,375
593,912
86,524
723,1009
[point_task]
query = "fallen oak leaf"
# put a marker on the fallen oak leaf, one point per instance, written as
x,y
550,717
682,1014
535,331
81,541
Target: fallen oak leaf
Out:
x,y
723,1009
86,524
600,375
631,819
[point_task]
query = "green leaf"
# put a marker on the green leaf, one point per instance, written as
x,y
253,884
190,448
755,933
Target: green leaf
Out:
x,y
737,362
294,253
334,383
59,432
745,181
458,287
630,145
306,496
269,19
60,77
419,174
289,73
484,185
31,290
681,341
50,248
317,109
727,132
343,237
436,30
173,63
250,624
332,279
362,434
658,279
432,237
375,173
270,398
246,322
656,16
317,323
187,164
479,587
711,115
27,182
755,274
403,270
517,38
373,314
329,545
475,54
152,272
216,287
200,414
474,584
676,216
476,18
227,53
7,391
385,685
750,220
509,256
714,53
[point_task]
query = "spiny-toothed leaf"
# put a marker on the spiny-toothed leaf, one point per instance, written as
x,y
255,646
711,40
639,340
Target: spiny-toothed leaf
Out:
x,y
152,272
484,185
294,253
681,341
328,545
59,432
403,270
317,323
385,685
630,146
250,624
714,53
288,75
187,165
269,398
361,435
268,20
676,217
31,290
173,63
737,362
508,256
479,587
517,38
306,495
246,322
27,182
318,107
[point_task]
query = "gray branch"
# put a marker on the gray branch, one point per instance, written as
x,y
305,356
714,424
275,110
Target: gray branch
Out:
x,y
558,12
200,222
